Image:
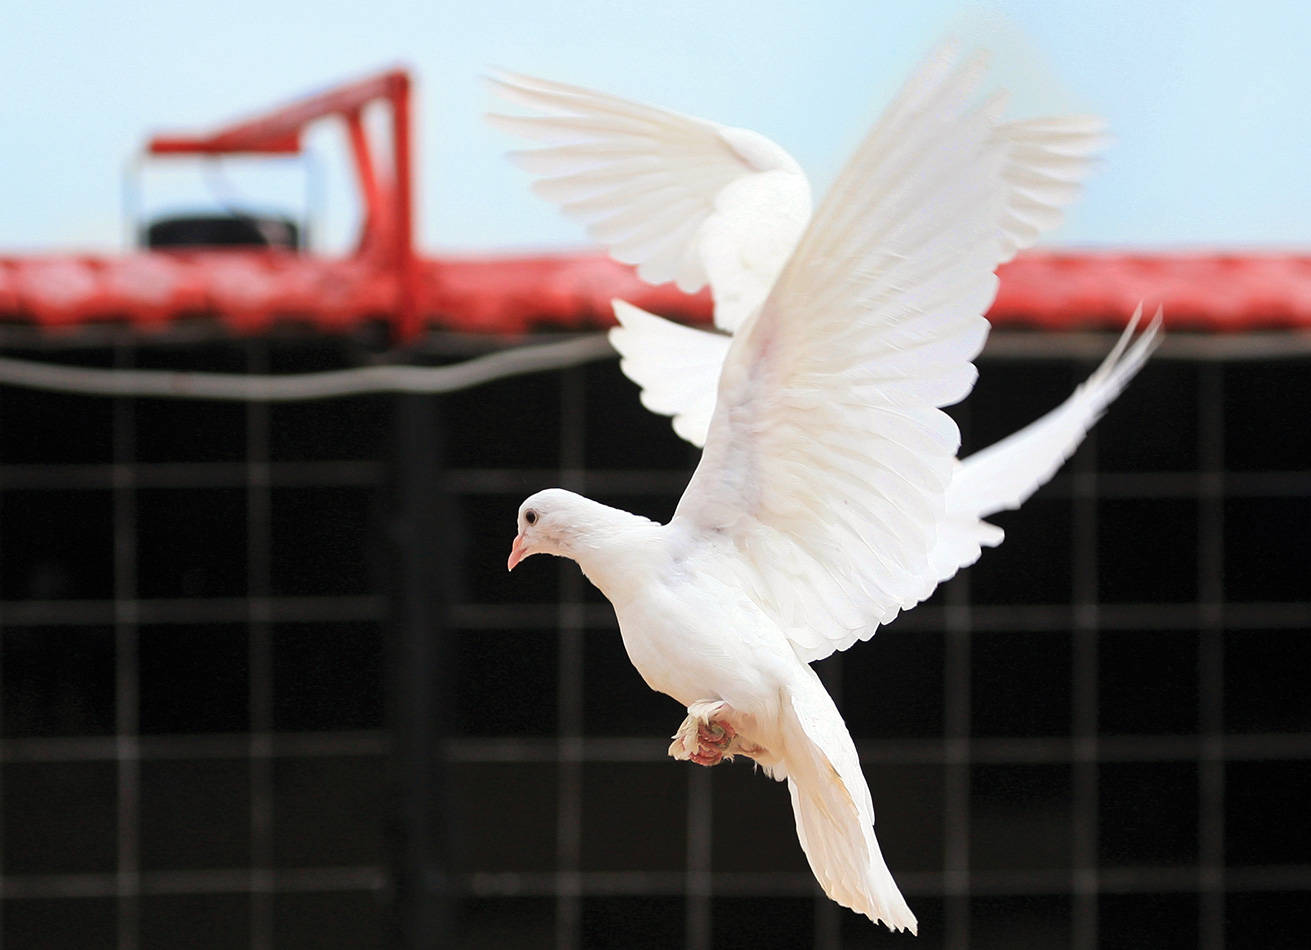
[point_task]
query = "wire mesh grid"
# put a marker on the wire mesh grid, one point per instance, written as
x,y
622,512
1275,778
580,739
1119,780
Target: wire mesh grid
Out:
x,y
192,699
1098,736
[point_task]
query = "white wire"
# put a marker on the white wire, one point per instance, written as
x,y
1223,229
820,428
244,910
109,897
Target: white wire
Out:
x,y
304,386
541,358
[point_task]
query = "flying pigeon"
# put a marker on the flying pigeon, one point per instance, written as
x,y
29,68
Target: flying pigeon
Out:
x,y
828,497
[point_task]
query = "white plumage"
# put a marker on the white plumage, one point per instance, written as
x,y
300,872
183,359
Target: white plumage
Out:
x,y
684,199
828,497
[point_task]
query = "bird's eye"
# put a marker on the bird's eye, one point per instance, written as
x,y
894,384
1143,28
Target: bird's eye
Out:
x,y
530,517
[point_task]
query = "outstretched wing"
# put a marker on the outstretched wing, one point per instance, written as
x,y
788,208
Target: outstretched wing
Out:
x,y
828,456
1006,473
1047,160
682,198
676,366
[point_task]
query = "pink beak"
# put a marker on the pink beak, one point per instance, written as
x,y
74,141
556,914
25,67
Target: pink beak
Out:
x,y
516,553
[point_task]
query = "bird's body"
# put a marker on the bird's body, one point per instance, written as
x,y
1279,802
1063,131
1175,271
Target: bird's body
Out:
x,y
688,626
693,631
828,497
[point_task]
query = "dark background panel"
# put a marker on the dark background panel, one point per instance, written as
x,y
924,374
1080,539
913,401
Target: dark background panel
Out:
x,y
191,542
58,681
193,678
1021,922
636,813
1257,796
1147,814
909,805
1261,401
1147,550
201,671
38,427
1255,701
741,923
344,920
1034,564
89,923
328,811
891,687
191,430
202,921
328,676
753,825
330,430
1148,921
1020,683
57,545
505,682
504,817
60,817
195,814
1261,538
321,543
635,923
1153,425
1147,682
1020,817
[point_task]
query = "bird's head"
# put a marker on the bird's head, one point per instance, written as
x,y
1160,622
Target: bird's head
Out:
x,y
546,522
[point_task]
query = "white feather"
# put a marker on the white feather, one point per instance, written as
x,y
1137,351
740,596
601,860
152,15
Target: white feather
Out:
x,y
828,497
1005,474
682,198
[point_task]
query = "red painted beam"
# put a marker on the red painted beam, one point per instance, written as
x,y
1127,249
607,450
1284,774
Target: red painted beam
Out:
x,y
279,130
249,290
385,248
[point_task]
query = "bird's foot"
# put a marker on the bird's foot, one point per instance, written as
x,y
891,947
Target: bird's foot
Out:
x,y
707,736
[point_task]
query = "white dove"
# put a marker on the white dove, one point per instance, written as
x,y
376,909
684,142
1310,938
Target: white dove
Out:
x,y
822,505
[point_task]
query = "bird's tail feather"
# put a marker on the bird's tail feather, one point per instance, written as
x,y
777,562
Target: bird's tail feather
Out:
x,y
834,810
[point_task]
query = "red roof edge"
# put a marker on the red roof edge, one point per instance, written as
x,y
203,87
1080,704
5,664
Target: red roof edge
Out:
x,y
509,294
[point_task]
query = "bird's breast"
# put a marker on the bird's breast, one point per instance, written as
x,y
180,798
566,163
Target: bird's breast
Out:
x,y
696,639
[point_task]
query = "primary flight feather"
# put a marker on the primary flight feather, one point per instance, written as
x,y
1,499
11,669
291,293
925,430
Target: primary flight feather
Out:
x,y
828,497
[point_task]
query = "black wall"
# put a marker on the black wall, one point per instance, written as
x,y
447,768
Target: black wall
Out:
x,y
214,734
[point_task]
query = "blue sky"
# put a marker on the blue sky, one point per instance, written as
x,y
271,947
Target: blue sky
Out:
x,y
1210,101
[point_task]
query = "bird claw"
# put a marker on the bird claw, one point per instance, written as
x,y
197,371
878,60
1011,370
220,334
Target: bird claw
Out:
x,y
707,737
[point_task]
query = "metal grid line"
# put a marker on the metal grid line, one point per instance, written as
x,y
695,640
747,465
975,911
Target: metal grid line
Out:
x,y
1210,693
66,476
4,621
1054,618
127,673
216,881
509,618
280,745
492,481
610,883
1145,880
957,755
197,610
257,474
699,885
62,477
1084,883
569,775
948,751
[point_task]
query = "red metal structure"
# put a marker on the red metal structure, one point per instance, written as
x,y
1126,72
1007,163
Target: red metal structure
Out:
x,y
385,278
